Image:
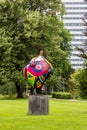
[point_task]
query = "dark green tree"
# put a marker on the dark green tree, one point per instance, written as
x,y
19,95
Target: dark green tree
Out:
x,y
83,54
26,27
83,83
82,80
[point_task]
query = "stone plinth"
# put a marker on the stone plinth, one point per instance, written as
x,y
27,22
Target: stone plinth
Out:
x,y
38,105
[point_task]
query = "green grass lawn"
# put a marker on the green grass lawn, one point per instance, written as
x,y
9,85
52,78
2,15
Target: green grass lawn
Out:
x,y
63,115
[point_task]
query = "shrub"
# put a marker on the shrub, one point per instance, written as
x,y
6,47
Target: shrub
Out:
x,y
62,95
83,89
7,88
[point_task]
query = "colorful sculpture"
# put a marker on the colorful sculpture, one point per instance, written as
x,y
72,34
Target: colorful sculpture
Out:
x,y
37,71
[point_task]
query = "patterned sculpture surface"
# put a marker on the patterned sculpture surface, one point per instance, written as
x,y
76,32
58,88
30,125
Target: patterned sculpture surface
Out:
x,y
37,71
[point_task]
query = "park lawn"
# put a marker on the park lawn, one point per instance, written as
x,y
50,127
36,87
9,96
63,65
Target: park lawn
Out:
x,y
63,115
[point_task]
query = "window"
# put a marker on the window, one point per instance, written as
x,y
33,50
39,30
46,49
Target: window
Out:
x,y
73,24
75,18
76,8
77,59
75,3
76,13
77,64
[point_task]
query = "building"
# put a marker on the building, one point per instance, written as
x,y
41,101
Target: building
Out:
x,y
76,10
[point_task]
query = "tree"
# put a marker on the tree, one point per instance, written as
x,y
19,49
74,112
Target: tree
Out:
x,y
82,78
83,54
78,83
74,84
26,27
83,50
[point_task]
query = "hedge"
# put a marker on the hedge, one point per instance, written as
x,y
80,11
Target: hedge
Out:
x,y
62,95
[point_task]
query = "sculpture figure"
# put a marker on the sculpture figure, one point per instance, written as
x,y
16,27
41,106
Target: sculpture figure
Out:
x,y
37,71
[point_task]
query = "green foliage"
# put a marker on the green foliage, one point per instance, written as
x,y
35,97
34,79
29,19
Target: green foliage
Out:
x,y
59,81
62,95
82,78
83,89
8,89
74,84
26,27
78,83
3,90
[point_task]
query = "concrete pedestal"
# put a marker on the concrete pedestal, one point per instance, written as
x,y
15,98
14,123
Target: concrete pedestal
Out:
x,y
38,105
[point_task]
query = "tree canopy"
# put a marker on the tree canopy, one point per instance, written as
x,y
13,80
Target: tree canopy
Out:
x,y
26,27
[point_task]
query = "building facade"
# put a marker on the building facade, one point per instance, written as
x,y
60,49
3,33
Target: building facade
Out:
x,y
75,12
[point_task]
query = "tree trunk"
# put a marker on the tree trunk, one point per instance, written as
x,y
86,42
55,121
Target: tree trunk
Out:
x,y
19,90
47,90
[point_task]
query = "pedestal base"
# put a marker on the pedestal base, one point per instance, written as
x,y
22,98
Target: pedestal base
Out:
x,y
38,105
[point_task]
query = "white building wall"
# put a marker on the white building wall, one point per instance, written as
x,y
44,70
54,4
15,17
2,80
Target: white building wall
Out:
x,y
76,10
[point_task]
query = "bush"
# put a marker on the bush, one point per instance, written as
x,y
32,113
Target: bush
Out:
x,y
83,89
62,95
8,89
